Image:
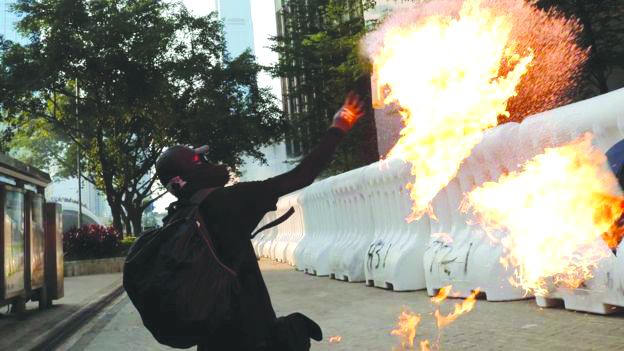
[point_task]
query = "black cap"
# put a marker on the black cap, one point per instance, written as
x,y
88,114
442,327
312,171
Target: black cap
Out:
x,y
176,161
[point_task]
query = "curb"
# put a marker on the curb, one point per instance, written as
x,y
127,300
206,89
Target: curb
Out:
x,y
66,329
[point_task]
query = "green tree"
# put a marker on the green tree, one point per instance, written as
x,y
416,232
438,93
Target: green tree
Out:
x,y
38,145
603,31
149,75
319,62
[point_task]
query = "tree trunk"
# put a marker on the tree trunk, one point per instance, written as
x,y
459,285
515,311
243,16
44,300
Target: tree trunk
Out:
x,y
116,212
137,225
127,224
113,197
134,217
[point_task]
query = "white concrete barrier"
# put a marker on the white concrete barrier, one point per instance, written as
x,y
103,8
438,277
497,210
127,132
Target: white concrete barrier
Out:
x,y
312,227
320,222
363,212
308,235
263,237
615,281
296,229
459,252
353,226
288,233
469,260
393,259
268,237
603,116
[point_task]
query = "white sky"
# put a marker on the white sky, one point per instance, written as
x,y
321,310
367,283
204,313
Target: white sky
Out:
x,y
263,18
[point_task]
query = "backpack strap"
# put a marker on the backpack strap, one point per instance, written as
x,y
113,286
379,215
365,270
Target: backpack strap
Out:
x,y
281,219
196,200
201,195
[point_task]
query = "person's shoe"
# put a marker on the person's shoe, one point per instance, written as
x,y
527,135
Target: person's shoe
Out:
x,y
313,329
293,332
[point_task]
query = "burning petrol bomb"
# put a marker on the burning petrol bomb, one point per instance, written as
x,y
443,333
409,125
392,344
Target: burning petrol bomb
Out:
x,y
455,68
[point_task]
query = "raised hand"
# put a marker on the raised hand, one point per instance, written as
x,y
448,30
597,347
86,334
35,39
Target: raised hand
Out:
x,y
349,113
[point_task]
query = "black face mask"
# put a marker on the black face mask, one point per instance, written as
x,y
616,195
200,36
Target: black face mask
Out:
x,y
208,175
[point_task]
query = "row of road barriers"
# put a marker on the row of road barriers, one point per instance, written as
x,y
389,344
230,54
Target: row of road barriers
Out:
x,y
352,226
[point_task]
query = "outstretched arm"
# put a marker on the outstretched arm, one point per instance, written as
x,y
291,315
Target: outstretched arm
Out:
x,y
311,165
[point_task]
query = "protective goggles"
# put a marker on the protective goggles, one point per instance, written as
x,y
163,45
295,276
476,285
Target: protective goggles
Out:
x,y
201,154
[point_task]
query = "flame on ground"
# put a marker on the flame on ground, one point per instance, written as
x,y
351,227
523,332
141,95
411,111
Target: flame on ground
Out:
x,y
460,308
453,66
335,339
557,209
408,322
424,345
442,295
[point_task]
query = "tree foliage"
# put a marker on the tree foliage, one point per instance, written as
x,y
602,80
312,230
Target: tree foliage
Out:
x,y
319,63
603,31
149,75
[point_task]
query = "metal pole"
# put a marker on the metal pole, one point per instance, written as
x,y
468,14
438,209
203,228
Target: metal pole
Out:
x,y
78,164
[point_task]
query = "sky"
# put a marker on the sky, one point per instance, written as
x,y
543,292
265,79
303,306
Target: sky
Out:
x,y
263,18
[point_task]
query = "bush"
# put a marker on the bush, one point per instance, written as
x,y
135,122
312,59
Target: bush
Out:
x,y
125,245
93,241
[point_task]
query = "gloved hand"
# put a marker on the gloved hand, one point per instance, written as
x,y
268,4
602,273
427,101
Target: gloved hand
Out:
x,y
293,332
349,113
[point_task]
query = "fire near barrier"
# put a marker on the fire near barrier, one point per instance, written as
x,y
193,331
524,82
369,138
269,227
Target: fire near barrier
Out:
x,y
352,226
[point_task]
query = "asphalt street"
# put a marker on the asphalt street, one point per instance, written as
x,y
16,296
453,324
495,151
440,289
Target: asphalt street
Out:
x,y
362,318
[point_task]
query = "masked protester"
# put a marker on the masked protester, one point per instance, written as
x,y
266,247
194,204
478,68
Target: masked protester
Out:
x,y
231,214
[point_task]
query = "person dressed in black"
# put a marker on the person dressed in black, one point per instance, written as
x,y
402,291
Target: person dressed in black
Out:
x,y
232,213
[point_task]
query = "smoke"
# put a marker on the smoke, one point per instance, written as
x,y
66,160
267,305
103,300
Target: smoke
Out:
x,y
406,17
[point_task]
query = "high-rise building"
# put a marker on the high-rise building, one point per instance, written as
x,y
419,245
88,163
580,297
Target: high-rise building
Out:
x,y
304,86
297,102
239,36
238,26
7,22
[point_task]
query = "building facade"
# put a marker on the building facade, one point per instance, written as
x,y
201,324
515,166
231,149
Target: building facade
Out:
x,y
317,68
237,23
66,191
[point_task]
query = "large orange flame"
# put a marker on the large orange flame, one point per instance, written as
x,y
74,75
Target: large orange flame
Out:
x,y
452,68
458,94
556,211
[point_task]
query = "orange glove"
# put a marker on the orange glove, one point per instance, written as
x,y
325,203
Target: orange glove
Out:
x,y
349,113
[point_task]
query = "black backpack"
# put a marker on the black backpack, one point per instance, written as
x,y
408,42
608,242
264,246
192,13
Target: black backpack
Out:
x,y
175,279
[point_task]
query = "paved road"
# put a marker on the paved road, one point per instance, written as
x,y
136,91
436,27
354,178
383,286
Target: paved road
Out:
x,y
35,326
364,317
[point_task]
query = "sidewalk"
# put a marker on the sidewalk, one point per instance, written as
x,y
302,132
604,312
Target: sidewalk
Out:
x,y
81,292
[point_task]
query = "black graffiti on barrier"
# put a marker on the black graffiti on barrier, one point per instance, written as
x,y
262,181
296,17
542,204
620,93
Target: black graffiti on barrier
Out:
x,y
374,253
466,260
